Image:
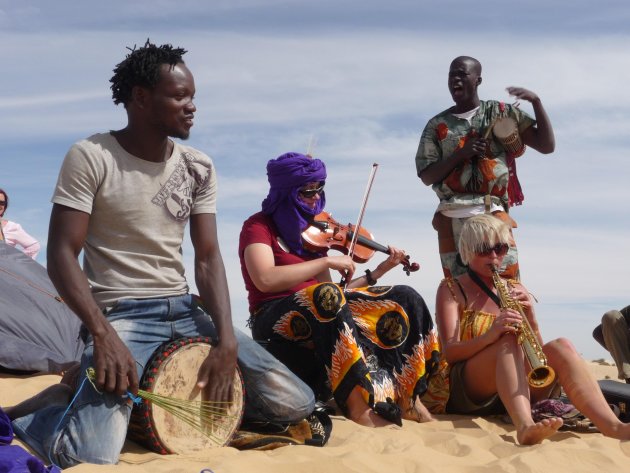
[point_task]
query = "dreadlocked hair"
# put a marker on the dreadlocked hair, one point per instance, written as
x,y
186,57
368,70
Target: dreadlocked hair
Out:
x,y
141,68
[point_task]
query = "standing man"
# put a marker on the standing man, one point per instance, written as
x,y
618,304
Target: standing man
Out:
x,y
124,199
470,170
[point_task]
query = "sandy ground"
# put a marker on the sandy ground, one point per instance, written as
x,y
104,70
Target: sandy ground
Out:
x,y
454,444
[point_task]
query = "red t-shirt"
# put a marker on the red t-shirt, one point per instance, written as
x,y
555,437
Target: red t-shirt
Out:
x,y
259,228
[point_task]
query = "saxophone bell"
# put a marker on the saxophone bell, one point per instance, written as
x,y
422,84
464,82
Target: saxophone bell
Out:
x,y
541,377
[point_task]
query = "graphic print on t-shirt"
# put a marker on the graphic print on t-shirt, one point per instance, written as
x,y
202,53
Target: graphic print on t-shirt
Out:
x,y
189,178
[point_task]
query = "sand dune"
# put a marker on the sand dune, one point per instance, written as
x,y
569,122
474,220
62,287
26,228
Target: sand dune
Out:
x,y
454,444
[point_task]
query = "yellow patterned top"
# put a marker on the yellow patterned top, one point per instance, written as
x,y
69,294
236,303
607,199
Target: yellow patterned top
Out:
x,y
472,324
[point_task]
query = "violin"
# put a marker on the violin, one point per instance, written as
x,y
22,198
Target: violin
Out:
x,y
325,232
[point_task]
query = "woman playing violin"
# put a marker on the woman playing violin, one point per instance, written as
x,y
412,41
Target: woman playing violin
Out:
x,y
377,343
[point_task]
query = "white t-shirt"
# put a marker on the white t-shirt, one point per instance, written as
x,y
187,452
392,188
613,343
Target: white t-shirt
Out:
x,y
138,213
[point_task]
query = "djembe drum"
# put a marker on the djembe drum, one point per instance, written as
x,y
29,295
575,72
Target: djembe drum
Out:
x,y
506,131
178,421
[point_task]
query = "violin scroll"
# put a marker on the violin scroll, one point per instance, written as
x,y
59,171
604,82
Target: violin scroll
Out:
x,y
409,267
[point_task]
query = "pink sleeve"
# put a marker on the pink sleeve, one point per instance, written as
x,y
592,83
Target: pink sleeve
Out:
x,y
16,236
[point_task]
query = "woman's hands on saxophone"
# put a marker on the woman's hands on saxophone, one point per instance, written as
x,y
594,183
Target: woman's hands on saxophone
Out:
x,y
521,295
508,321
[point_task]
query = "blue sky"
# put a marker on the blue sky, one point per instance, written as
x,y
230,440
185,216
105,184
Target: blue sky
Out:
x,y
362,77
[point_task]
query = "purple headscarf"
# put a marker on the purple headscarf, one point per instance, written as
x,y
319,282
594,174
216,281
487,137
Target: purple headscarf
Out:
x,y
14,457
6,429
287,174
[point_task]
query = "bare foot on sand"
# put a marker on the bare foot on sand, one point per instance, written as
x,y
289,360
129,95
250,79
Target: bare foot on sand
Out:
x,y
618,431
416,412
536,433
359,411
369,418
56,395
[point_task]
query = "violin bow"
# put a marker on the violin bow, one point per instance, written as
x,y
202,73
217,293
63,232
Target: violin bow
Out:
x,y
310,150
355,234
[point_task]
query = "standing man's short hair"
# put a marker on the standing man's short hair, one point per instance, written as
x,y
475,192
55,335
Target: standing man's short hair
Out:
x,y
141,68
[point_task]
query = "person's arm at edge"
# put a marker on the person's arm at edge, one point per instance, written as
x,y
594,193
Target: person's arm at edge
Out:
x,y
30,246
212,285
115,367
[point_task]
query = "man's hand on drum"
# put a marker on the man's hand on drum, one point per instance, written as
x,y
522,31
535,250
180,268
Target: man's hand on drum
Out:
x,y
115,366
216,373
522,94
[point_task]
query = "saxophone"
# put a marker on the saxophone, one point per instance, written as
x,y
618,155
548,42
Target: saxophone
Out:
x,y
541,375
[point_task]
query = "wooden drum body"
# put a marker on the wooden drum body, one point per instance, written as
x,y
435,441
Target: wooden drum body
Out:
x,y
172,374
506,131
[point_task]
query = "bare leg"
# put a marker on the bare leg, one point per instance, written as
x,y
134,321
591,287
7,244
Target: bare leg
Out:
x,y
509,380
582,389
361,413
514,392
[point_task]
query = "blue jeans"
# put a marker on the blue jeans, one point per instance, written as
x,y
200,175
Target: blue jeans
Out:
x,y
95,427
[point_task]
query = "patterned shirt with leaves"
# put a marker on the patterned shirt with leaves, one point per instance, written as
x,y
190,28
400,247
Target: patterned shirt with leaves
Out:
x,y
467,184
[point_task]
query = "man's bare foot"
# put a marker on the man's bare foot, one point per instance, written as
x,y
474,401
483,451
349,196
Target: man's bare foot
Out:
x,y
56,395
416,412
536,433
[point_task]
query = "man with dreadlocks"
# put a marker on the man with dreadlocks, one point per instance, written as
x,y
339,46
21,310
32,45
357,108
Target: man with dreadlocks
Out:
x,y
124,199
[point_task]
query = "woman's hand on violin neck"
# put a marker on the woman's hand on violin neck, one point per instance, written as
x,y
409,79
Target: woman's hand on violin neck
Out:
x,y
343,264
396,257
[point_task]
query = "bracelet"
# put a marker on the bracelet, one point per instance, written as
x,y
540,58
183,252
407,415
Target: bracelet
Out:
x,y
370,279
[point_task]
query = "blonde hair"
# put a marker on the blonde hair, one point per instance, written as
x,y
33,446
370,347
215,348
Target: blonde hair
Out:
x,y
479,232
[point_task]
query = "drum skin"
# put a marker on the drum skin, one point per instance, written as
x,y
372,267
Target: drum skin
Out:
x,y
172,372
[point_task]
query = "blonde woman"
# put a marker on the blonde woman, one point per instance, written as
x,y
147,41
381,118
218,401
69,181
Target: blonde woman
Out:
x,y
488,371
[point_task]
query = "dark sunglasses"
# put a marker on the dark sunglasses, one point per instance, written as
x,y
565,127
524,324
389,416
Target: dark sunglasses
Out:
x,y
309,193
3,203
500,249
